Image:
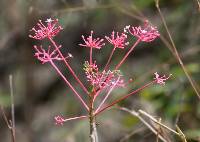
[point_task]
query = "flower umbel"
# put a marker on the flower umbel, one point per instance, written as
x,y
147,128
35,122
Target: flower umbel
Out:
x,y
49,30
92,43
161,79
59,120
119,41
102,79
147,33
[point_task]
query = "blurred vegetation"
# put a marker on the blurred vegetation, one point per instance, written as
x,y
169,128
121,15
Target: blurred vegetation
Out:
x,y
40,94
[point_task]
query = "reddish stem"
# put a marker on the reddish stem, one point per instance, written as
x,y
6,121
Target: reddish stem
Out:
x,y
90,55
74,118
109,59
124,58
69,67
124,97
69,84
106,96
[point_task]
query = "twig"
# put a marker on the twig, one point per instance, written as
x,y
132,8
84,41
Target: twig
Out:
x,y
136,114
10,123
176,52
75,9
198,2
154,120
159,130
178,132
182,136
12,105
5,118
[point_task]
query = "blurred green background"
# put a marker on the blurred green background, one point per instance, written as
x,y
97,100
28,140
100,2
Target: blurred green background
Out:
x,y
40,94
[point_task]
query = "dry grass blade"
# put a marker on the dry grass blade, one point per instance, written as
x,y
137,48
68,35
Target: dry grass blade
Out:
x,y
12,106
154,120
10,123
192,82
136,114
182,136
178,132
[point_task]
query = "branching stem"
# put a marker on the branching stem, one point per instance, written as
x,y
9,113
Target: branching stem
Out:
x,y
68,66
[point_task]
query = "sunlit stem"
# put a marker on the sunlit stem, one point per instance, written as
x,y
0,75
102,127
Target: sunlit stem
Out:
x,y
92,121
124,58
107,95
90,55
68,66
124,97
69,84
109,59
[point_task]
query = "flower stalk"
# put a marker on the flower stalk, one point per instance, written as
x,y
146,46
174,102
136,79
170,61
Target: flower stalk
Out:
x,y
92,123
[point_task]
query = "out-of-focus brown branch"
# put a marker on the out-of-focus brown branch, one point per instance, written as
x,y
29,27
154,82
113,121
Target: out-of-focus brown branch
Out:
x,y
10,123
192,82
12,106
198,2
74,9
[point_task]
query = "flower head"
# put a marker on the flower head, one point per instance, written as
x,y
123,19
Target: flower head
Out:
x,y
49,30
104,78
93,43
147,33
59,120
119,41
161,79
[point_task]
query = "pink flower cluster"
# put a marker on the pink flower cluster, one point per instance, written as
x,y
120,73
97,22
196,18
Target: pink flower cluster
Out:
x,y
101,80
46,31
91,42
161,79
147,34
119,41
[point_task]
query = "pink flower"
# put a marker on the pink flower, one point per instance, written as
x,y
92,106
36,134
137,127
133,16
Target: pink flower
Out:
x,y
93,43
147,34
59,120
102,79
161,79
118,41
46,31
